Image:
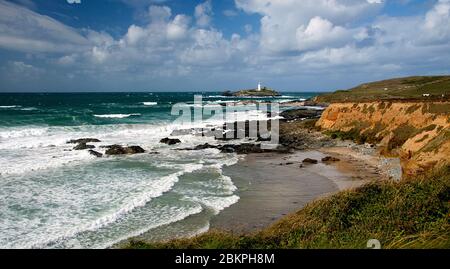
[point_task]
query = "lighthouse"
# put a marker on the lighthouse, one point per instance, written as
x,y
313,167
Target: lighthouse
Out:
x,y
259,86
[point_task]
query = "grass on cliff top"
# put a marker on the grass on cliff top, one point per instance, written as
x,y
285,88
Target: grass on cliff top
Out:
x,y
413,213
410,88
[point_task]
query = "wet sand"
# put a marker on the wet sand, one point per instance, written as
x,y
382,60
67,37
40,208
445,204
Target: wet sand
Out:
x,y
273,185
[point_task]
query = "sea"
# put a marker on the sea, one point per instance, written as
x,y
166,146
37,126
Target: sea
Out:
x,y
52,196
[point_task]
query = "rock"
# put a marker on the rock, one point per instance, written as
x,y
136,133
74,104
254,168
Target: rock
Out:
x,y
247,148
205,146
83,146
95,153
301,113
310,161
120,150
134,150
227,93
83,141
330,159
170,141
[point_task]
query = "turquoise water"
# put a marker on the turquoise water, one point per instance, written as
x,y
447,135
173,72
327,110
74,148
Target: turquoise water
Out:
x,y
55,197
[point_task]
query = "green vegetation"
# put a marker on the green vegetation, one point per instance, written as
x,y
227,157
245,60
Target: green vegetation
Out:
x,y
360,132
413,213
412,109
436,108
411,88
401,134
425,137
436,142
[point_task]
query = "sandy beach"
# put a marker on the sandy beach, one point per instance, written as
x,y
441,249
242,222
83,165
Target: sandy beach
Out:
x,y
273,185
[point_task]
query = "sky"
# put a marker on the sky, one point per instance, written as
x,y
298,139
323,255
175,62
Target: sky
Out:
x,y
215,45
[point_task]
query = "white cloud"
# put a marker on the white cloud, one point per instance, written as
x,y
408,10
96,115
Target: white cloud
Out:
x,y
74,1
321,33
177,29
203,13
281,20
24,30
437,22
18,70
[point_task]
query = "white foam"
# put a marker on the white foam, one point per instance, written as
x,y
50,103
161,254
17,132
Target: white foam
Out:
x,y
16,132
9,106
154,189
149,103
216,203
117,116
179,217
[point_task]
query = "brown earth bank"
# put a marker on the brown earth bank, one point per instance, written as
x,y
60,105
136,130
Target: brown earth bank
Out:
x,y
416,132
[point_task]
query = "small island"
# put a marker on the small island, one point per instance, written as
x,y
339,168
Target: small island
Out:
x,y
258,92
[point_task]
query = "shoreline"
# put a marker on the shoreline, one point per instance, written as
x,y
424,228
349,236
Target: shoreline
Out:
x,y
273,185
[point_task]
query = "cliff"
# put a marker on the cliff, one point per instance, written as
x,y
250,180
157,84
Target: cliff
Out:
x,y
417,132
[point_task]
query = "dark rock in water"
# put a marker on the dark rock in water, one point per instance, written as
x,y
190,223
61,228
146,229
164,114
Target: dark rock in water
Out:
x,y
83,141
247,148
301,113
227,93
134,150
95,153
83,146
330,159
170,141
120,150
311,161
205,146
153,153
228,149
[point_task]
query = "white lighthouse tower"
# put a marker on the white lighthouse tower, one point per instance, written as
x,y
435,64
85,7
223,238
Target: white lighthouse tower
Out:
x,y
259,86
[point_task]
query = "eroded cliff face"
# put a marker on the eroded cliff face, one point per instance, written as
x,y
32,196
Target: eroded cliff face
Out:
x,y
417,132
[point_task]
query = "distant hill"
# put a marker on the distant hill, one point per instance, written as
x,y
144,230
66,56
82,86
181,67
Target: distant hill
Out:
x,y
265,92
393,89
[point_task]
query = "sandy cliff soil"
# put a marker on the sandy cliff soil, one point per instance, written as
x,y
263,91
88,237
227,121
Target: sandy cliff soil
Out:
x,y
417,132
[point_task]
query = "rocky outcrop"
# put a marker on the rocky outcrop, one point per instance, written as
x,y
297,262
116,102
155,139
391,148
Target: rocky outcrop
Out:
x,y
310,161
264,92
170,141
121,150
83,141
301,113
330,159
95,153
245,148
416,132
83,146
